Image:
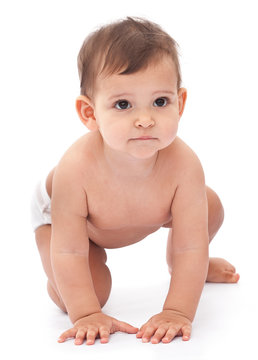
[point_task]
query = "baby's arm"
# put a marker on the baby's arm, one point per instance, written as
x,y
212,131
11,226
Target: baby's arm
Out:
x,y
189,258
70,244
190,242
69,257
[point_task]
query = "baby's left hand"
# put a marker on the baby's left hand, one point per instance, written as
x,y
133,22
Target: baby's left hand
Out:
x,y
165,326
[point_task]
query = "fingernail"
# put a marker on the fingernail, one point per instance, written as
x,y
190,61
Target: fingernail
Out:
x,y
104,341
165,339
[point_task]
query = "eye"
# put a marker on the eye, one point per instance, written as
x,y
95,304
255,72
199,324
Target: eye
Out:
x,y
122,105
160,102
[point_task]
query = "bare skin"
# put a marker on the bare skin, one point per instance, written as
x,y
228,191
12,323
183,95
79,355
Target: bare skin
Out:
x,y
119,183
219,269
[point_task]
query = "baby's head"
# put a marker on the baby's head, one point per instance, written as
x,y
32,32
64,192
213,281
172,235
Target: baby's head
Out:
x,y
123,47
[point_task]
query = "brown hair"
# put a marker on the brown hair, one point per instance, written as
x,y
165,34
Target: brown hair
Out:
x,y
123,47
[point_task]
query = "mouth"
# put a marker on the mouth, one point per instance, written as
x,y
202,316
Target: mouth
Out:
x,y
145,138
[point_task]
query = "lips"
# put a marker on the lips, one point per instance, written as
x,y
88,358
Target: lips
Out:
x,y
145,138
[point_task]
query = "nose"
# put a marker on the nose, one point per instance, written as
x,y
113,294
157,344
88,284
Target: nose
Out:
x,y
144,120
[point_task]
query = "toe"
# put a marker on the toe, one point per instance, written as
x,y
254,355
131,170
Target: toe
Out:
x,y
237,277
227,265
231,277
231,268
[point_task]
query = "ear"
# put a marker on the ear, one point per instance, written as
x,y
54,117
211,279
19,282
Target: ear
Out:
x,y
182,95
85,111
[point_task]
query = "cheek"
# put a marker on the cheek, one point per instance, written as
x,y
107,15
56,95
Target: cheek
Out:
x,y
169,132
171,126
113,131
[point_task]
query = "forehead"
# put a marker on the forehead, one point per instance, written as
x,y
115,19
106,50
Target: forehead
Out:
x,y
158,74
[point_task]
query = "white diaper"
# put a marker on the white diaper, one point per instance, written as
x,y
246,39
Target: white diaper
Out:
x,y
40,206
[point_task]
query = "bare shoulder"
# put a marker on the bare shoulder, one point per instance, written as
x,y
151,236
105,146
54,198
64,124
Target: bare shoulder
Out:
x,y
78,159
67,180
82,152
182,161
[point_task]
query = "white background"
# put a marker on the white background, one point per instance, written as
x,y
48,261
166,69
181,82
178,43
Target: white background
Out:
x,y
39,44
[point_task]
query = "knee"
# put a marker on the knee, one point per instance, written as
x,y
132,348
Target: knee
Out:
x,y
103,292
55,297
215,212
97,253
218,211
102,282
100,273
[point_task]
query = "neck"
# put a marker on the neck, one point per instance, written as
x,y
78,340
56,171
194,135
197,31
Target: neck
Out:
x,y
124,165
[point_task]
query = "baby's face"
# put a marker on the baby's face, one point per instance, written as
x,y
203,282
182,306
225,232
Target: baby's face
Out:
x,y
139,113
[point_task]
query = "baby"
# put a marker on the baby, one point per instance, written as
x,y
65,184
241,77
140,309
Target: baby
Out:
x,y
123,180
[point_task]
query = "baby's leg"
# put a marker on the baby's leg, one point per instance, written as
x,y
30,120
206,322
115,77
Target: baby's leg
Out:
x,y
220,270
97,259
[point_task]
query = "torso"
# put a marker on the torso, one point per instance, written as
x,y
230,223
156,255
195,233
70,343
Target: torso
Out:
x,y
120,214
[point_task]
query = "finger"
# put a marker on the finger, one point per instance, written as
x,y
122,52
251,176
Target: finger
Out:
x,y
67,335
125,327
160,332
91,336
80,336
171,333
141,331
104,335
139,334
186,330
149,331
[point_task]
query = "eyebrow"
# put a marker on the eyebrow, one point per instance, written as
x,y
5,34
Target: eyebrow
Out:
x,y
164,92
119,96
124,95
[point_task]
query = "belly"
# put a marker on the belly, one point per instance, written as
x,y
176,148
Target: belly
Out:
x,y
115,229
117,238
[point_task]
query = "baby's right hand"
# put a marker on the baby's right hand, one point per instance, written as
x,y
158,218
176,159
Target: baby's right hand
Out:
x,y
89,327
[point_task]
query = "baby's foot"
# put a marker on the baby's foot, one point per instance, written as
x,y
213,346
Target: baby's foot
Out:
x,y
221,271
